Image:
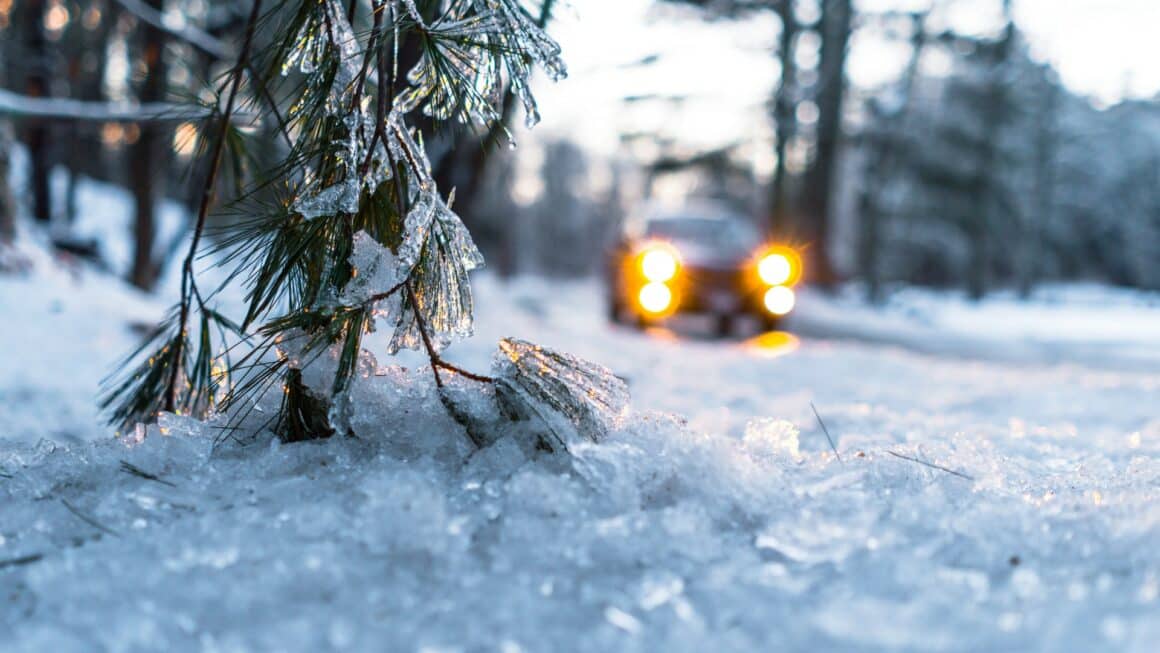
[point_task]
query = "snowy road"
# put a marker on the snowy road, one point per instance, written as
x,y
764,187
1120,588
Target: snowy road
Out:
x,y
733,532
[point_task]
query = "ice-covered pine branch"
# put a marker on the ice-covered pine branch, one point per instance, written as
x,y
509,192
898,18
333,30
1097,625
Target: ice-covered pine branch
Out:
x,y
350,235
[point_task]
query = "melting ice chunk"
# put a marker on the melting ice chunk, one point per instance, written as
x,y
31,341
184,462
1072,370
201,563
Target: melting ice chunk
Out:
x,y
578,401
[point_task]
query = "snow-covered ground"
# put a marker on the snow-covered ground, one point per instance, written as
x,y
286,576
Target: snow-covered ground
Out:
x,y
715,517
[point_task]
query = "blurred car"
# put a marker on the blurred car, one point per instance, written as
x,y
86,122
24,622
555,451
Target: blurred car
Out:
x,y
699,260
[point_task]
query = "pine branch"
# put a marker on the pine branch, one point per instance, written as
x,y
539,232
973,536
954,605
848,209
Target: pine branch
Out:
x,y
187,276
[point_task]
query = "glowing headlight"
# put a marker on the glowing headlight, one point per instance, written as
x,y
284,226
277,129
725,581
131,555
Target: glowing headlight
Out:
x,y
775,269
779,300
658,265
655,297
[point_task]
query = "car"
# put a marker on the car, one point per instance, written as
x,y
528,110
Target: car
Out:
x,y
699,260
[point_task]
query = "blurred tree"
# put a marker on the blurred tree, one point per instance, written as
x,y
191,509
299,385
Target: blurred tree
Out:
x,y
462,156
1029,262
886,140
808,215
7,204
35,61
835,28
149,156
564,242
784,121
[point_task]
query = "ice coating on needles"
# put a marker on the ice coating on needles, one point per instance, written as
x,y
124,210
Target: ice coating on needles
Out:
x,y
484,42
578,401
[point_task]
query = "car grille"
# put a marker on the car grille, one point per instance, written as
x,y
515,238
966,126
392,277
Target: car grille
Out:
x,y
714,279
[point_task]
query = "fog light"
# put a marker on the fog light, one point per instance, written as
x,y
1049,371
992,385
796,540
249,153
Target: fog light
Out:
x,y
775,269
779,300
655,297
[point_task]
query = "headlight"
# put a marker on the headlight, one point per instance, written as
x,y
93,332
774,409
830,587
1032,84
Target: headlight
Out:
x,y
775,269
779,300
655,297
658,264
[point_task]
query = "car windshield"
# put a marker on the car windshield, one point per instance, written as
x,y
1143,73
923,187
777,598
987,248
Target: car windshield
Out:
x,y
722,234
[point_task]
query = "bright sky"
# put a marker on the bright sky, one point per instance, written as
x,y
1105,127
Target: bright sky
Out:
x,y
1102,48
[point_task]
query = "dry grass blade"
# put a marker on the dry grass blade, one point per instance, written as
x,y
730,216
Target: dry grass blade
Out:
x,y
825,430
932,465
89,520
130,468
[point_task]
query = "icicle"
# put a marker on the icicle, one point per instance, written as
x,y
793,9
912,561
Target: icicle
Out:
x,y
443,254
308,51
350,53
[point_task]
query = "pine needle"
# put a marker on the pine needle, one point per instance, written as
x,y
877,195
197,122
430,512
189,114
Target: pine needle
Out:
x,y
932,466
89,520
827,432
21,560
130,468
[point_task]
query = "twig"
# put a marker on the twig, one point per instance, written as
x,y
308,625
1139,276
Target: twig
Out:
x,y
932,465
373,299
130,468
462,372
89,520
203,209
827,432
22,560
437,361
431,353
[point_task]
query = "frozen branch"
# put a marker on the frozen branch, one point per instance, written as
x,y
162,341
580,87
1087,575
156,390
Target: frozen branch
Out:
x,y
194,36
16,105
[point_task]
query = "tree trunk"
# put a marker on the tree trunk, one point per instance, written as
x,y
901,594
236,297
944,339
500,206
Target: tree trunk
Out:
x,y
37,135
7,206
985,214
1028,267
784,104
837,16
148,160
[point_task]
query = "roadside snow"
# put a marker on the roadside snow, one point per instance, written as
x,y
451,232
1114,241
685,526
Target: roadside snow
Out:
x,y
1089,323
714,517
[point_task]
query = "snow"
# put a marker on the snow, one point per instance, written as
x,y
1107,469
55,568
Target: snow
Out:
x,y
713,516
1094,324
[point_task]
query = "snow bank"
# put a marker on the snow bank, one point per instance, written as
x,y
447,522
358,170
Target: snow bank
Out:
x,y
1088,323
661,538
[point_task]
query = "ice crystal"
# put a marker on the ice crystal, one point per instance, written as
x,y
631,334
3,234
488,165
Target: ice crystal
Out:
x,y
576,400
